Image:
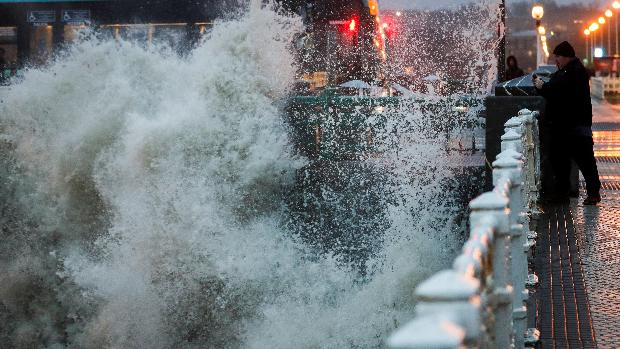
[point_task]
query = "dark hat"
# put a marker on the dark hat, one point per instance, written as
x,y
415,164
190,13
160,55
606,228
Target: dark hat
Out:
x,y
564,49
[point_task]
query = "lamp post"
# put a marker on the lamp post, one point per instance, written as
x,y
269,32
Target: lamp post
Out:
x,y
587,34
608,14
542,33
601,21
593,28
616,6
537,13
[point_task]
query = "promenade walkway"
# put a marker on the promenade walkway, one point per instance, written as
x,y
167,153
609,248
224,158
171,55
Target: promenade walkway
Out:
x,y
577,258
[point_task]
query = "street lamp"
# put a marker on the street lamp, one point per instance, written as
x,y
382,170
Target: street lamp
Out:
x,y
601,21
541,30
616,6
593,28
587,34
537,13
609,14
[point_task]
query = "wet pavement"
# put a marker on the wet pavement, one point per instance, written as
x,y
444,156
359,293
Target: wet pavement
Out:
x,y
577,258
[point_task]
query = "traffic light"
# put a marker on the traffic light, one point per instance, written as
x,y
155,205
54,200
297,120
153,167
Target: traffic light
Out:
x,y
352,25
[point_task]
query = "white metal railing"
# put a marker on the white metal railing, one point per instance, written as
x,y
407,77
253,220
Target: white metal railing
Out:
x,y
480,301
604,86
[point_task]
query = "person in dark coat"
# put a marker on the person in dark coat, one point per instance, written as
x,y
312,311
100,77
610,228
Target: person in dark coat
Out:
x,y
512,68
568,118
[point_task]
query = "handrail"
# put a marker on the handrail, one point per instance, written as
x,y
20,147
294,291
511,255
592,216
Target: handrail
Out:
x,y
480,301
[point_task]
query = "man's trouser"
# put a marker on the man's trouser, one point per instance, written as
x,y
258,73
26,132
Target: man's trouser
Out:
x,y
581,150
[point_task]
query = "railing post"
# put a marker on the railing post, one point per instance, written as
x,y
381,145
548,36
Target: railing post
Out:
x,y
480,302
491,209
447,314
531,155
515,123
508,165
512,140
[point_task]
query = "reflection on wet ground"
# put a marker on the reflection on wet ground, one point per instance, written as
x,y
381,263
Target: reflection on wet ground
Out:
x,y
598,230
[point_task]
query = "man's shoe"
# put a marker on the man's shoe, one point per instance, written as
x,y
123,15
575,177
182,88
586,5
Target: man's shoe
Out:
x,y
592,200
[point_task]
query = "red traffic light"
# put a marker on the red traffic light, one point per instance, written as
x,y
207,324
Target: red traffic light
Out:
x,y
353,25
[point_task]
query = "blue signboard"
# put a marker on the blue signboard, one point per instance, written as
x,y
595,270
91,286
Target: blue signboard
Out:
x,y
76,16
46,16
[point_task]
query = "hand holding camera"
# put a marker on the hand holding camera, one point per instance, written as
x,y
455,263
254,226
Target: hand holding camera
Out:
x,y
538,83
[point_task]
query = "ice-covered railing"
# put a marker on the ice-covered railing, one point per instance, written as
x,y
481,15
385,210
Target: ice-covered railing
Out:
x,y
480,301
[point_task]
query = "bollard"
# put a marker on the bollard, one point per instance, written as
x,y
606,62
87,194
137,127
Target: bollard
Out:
x,y
491,209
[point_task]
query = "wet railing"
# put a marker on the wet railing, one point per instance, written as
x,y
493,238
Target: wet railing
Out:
x,y
481,301
602,87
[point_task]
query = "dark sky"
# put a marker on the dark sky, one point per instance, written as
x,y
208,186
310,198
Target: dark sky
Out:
x,y
405,4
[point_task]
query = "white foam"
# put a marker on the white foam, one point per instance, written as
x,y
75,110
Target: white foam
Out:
x,y
186,161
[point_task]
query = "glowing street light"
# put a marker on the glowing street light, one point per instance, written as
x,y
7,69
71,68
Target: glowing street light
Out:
x,y
541,30
537,13
593,28
601,21
398,13
609,14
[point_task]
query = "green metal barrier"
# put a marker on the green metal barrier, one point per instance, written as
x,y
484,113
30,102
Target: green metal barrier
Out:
x,y
330,126
335,127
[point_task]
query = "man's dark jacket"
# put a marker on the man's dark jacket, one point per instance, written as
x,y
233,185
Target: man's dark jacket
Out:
x,y
568,98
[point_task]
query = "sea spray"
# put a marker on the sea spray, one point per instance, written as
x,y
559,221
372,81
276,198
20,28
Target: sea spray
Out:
x,y
146,204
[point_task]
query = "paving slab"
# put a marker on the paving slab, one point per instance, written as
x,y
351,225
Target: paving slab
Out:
x,y
577,259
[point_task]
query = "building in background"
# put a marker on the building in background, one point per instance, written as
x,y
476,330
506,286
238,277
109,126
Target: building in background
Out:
x,y
562,23
30,32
